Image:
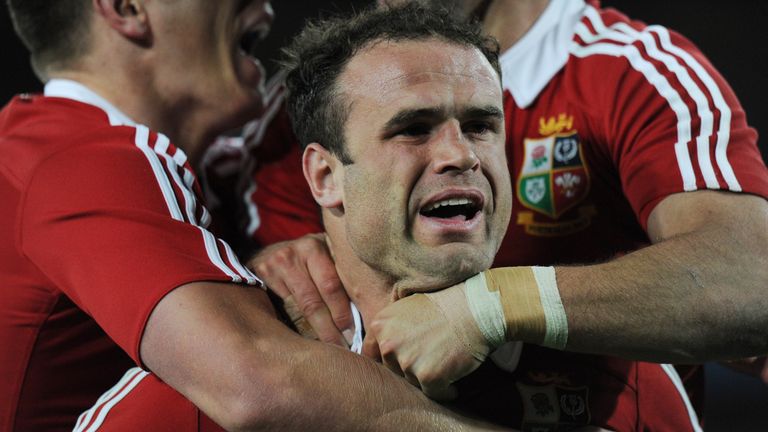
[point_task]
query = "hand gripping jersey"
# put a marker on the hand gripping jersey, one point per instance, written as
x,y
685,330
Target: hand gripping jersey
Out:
x,y
101,219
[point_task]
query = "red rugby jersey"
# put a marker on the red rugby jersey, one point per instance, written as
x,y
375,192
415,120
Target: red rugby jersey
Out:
x,y
102,218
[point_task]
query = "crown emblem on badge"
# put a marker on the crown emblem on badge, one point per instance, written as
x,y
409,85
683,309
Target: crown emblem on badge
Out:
x,y
553,125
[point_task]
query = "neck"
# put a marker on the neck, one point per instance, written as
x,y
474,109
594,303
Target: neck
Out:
x,y
509,20
129,87
369,289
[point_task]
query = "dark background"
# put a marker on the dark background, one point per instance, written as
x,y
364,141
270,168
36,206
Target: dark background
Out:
x,y
732,34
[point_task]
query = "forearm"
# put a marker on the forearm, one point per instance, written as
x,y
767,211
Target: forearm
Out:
x,y
338,390
695,297
698,293
249,372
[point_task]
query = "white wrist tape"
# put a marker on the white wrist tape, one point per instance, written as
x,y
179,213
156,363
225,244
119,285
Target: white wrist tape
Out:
x,y
556,335
485,306
518,303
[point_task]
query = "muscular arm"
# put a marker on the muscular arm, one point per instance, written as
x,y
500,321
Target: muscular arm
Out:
x,y
247,371
698,293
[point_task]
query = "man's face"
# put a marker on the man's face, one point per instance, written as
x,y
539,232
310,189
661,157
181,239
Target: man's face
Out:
x,y
427,198
204,56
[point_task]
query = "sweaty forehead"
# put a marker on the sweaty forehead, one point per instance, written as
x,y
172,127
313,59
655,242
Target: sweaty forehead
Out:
x,y
388,66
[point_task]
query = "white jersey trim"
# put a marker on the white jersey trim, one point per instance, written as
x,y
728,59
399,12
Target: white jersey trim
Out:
x,y
68,89
253,134
682,65
237,273
662,85
678,383
529,65
724,129
107,401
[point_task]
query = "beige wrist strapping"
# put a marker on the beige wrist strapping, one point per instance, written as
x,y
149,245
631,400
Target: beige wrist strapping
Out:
x,y
518,303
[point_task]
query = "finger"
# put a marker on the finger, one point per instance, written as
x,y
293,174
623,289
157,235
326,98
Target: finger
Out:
x,y
299,322
276,286
440,391
311,305
319,317
371,347
323,272
268,265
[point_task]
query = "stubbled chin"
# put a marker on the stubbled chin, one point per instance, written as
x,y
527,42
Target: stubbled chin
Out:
x,y
460,270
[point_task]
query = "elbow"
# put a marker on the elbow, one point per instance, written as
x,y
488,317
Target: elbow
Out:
x,y
264,396
251,404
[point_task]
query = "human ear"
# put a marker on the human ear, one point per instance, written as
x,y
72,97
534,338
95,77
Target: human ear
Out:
x,y
324,174
127,17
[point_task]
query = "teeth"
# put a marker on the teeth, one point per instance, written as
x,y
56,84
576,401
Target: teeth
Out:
x,y
448,202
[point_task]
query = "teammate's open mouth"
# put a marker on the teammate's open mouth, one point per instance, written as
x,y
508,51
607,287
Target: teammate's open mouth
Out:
x,y
250,40
455,209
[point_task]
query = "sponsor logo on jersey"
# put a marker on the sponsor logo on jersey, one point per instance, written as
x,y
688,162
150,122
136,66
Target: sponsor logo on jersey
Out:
x,y
553,408
554,179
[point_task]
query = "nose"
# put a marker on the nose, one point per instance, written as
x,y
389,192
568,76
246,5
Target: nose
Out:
x,y
452,151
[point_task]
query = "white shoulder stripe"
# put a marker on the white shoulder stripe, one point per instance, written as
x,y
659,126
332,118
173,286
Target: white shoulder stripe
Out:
x,y
185,185
244,272
665,89
142,142
108,400
724,130
671,56
678,383
190,203
213,253
702,104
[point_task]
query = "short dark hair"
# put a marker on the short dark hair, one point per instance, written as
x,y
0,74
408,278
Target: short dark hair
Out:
x,y
317,56
54,32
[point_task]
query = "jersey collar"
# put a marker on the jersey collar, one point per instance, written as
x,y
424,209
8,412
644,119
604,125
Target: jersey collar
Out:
x,y
531,63
68,89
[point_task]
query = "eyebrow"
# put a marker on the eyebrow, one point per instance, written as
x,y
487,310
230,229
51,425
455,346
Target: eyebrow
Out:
x,y
408,116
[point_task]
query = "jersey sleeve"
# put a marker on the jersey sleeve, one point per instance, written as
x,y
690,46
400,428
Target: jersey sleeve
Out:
x,y
115,222
280,203
674,124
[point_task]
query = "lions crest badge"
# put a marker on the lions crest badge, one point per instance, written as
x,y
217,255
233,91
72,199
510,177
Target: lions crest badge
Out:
x,y
553,178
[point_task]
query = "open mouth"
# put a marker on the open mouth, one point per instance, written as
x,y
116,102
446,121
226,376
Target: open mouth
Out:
x,y
457,209
250,40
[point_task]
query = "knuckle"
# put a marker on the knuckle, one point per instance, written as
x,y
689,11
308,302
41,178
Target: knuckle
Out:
x,y
332,286
430,379
311,305
343,317
377,326
387,347
283,256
